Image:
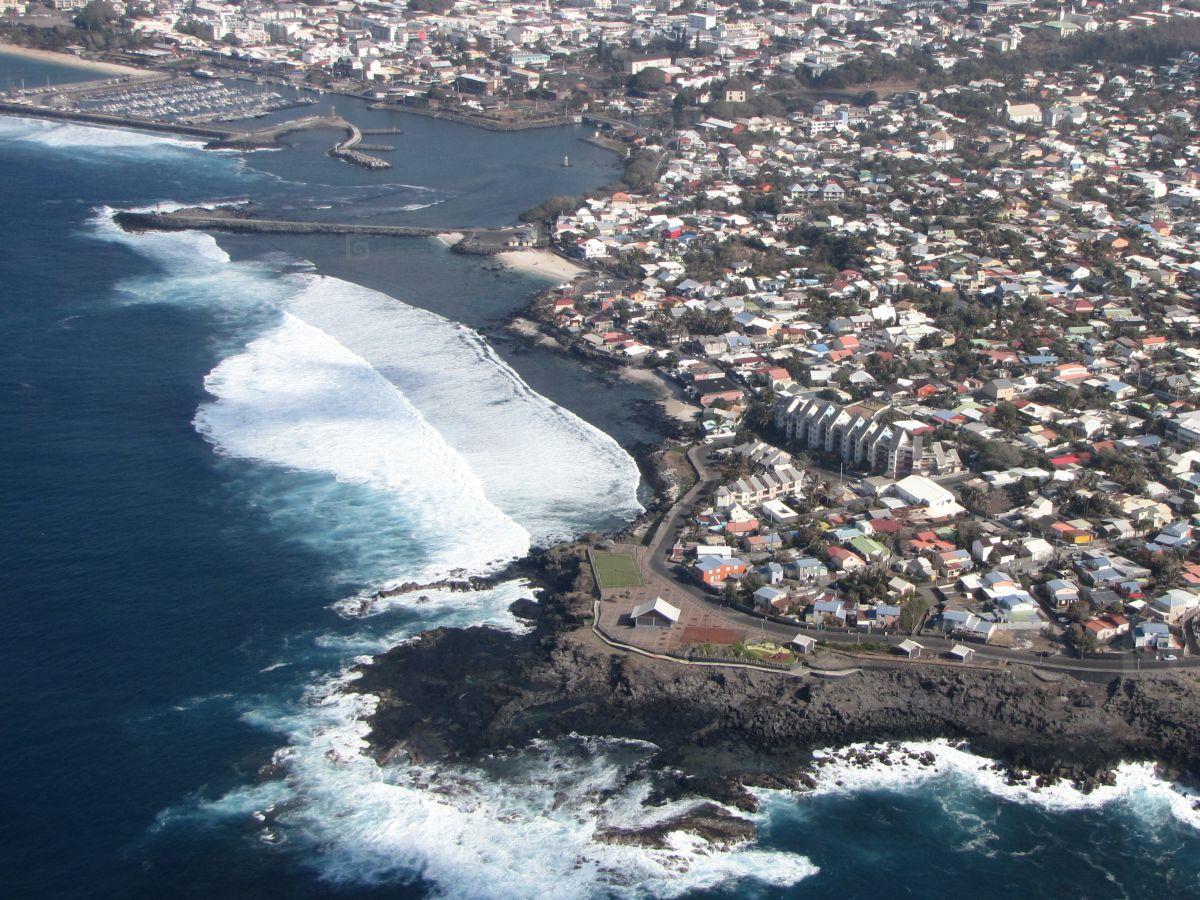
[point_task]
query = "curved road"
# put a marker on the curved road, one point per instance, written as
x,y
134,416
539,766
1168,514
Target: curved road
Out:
x,y
656,567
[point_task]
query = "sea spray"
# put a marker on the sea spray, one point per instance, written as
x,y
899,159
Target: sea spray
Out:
x,y
73,137
297,398
518,824
905,765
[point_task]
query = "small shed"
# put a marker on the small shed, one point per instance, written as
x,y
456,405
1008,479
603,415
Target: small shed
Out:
x,y
656,613
961,653
910,648
802,644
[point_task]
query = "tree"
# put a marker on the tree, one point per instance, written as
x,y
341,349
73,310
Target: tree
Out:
x,y
551,209
1006,417
96,16
647,81
1079,612
999,455
1081,640
912,614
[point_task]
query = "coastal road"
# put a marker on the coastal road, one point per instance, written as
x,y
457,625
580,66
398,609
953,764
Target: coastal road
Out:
x,y
666,577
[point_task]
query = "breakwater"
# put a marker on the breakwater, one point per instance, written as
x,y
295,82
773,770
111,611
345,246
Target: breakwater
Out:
x,y
73,115
269,136
346,150
217,138
476,241
215,220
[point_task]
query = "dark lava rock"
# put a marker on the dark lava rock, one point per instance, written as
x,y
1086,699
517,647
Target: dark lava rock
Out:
x,y
457,693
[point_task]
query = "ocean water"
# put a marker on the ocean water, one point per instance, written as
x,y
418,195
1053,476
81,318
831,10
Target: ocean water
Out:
x,y
211,449
18,71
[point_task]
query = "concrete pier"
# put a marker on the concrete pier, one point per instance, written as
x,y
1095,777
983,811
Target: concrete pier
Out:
x,y
269,136
31,111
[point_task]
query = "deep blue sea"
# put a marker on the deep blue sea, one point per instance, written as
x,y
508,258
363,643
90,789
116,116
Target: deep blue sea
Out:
x,y
211,449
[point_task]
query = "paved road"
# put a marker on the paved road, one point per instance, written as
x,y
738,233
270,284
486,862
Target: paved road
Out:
x,y
658,569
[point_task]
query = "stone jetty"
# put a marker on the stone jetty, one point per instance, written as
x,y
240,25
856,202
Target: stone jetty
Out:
x,y
477,241
347,151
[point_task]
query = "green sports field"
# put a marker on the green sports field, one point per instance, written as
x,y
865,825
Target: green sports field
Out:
x,y
615,570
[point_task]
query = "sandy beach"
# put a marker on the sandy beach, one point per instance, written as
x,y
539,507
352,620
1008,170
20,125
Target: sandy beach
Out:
x,y
66,59
541,262
670,394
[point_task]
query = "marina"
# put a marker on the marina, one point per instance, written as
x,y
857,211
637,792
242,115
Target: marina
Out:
x,y
192,101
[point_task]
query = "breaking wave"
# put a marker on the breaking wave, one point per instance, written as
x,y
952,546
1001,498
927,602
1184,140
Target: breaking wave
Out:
x,y
904,766
354,384
543,465
297,398
75,136
520,824
410,614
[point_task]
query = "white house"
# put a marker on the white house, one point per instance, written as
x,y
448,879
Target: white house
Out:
x,y
591,249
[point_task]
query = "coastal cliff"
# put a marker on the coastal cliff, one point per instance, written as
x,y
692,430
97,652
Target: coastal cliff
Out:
x,y
459,693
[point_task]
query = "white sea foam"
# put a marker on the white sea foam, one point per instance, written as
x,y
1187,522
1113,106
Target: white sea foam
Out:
x,y
1138,786
297,398
523,825
544,467
172,250
75,136
540,463
426,609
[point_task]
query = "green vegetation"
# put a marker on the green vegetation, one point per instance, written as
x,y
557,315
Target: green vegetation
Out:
x,y
1137,46
615,570
551,209
769,650
912,614
1081,640
647,81
97,27
96,16
431,6
641,170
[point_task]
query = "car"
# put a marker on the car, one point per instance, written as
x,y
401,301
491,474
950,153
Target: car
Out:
x,y
1170,657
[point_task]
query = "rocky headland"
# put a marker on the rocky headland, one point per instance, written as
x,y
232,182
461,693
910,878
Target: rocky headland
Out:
x,y
457,694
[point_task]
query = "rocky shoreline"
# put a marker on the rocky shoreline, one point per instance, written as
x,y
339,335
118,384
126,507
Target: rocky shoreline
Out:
x,y
459,694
